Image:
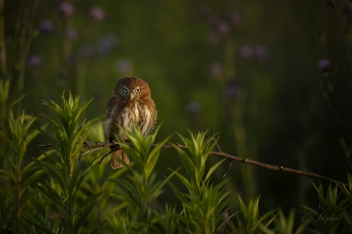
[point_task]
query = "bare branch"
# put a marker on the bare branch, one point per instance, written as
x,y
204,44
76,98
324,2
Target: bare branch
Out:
x,y
96,149
230,161
96,144
47,145
102,145
229,165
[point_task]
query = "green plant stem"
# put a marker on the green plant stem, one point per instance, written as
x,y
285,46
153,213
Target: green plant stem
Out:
x,y
69,205
23,49
229,58
99,201
18,196
2,39
327,93
80,83
27,35
67,44
241,144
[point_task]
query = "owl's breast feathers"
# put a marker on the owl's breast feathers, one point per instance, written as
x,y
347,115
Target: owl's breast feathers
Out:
x,y
126,113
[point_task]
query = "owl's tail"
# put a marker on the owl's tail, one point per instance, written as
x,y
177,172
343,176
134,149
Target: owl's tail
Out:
x,y
120,154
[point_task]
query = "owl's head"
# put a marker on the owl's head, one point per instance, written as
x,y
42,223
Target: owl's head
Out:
x,y
132,88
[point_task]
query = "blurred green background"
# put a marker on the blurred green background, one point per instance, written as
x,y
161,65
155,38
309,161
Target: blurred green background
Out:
x,y
272,77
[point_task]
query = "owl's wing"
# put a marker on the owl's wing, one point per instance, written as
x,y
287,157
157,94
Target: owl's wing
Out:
x,y
110,107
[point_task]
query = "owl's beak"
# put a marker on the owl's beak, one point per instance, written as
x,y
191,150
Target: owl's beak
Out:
x,y
131,96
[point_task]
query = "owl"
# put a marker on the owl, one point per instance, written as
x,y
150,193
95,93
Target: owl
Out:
x,y
130,105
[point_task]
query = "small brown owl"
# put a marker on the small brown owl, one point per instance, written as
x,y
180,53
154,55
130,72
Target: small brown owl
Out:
x,y
131,104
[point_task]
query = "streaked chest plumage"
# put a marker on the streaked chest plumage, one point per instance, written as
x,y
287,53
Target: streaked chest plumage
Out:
x,y
132,114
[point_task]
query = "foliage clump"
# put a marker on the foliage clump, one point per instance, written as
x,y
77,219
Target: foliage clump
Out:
x,y
54,193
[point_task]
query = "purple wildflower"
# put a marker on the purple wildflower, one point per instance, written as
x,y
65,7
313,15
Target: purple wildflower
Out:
x,y
222,27
96,13
124,66
213,39
86,51
324,64
71,34
34,61
107,43
216,70
246,51
235,20
66,9
231,89
261,52
193,107
46,26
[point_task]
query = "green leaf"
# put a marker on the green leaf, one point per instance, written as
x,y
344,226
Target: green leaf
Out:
x,y
40,227
213,168
6,223
51,194
52,172
4,173
183,179
154,191
26,181
88,201
30,167
84,215
7,139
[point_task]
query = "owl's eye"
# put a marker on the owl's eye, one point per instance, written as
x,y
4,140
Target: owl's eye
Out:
x,y
138,90
125,90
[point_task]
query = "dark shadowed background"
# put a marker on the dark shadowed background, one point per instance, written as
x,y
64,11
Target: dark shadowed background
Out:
x,y
272,77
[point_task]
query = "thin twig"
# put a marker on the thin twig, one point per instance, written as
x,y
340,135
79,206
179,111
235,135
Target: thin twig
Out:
x,y
102,145
92,150
213,139
48,145
229,165
95,144
230,161
276,168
